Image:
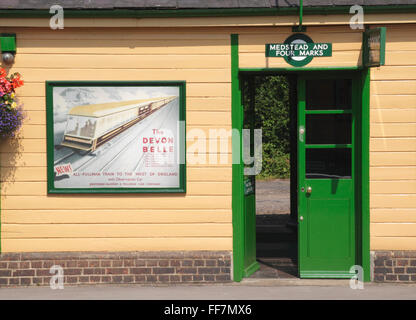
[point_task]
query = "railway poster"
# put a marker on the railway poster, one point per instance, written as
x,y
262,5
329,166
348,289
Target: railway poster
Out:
x,y
115,137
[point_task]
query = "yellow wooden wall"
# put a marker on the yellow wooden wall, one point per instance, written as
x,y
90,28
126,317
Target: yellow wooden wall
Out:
x,y
200,220
393,144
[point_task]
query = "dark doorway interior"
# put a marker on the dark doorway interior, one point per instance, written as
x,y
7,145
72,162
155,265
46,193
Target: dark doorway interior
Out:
x,y
270,103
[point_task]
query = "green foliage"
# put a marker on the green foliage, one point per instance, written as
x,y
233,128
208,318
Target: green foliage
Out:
x,y
275,163
271,114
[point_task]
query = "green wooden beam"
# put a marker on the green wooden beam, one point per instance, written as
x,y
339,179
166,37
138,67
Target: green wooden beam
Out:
x,y
171,13
237,167
365,173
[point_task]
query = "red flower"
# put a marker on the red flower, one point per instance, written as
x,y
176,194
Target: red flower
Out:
x,y
2,73
16,81
6,85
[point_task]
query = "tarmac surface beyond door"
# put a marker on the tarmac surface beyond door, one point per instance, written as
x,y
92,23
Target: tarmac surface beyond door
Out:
x,y
276,242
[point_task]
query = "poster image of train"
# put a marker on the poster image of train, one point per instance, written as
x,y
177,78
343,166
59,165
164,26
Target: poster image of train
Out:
x,y
115,137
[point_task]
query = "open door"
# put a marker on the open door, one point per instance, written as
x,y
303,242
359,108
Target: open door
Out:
x,y
250,260
327,106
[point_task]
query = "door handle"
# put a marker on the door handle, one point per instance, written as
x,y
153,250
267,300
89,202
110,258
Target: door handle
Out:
x,y
309,190
301,133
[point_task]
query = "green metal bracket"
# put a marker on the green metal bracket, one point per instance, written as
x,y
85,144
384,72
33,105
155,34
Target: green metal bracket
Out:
x,y
8,42
300,27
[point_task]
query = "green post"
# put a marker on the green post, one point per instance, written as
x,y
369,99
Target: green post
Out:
x,y
237,167
300,14
365,175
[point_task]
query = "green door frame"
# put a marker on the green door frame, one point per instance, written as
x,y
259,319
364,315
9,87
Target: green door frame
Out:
x,y
362,196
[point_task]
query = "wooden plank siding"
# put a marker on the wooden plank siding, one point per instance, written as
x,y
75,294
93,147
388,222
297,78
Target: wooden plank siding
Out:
x,y
393,144
199,53
201,219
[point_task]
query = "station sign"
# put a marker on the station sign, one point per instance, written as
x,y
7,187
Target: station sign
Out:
x,y
298,50
374,47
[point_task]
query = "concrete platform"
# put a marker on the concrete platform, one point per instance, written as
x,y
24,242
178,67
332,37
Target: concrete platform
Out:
x,y
246,290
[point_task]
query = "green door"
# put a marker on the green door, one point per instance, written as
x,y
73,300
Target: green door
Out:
x,y
326,109
250,263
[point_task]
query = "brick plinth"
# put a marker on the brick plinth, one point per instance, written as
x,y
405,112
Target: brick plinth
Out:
x,y
26,269
394,266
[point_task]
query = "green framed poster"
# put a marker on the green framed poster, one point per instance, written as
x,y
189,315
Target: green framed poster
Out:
x,y
116,136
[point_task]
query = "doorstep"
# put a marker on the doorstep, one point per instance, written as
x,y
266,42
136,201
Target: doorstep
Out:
x,y
294,282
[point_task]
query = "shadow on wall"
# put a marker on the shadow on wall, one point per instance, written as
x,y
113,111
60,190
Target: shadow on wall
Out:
x,y
10,157
10,150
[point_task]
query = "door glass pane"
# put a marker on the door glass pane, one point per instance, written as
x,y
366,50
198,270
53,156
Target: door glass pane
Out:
x,y
328,128
328,163
328,94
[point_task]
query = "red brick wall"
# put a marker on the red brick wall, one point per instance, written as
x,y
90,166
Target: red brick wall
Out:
x,y
395,266
26,269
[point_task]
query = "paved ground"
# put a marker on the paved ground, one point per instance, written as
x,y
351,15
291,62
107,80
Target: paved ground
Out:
x,y
273,196
276,243
244,291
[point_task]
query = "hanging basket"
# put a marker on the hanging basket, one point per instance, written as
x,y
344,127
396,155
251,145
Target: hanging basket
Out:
x,y
11,113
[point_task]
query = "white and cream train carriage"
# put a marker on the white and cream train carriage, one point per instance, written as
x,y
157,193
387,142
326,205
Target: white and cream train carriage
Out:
x,y
89,126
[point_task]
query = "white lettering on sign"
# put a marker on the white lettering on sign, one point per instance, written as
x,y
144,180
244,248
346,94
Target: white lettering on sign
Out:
x,y
320,46
313,53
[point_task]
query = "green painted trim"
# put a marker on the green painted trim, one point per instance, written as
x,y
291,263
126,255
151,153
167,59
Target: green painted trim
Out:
x,y
328,111
327,146
251,269
49,85
237,115
301,155
292,69
365,174
327,274
383,46
174,13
